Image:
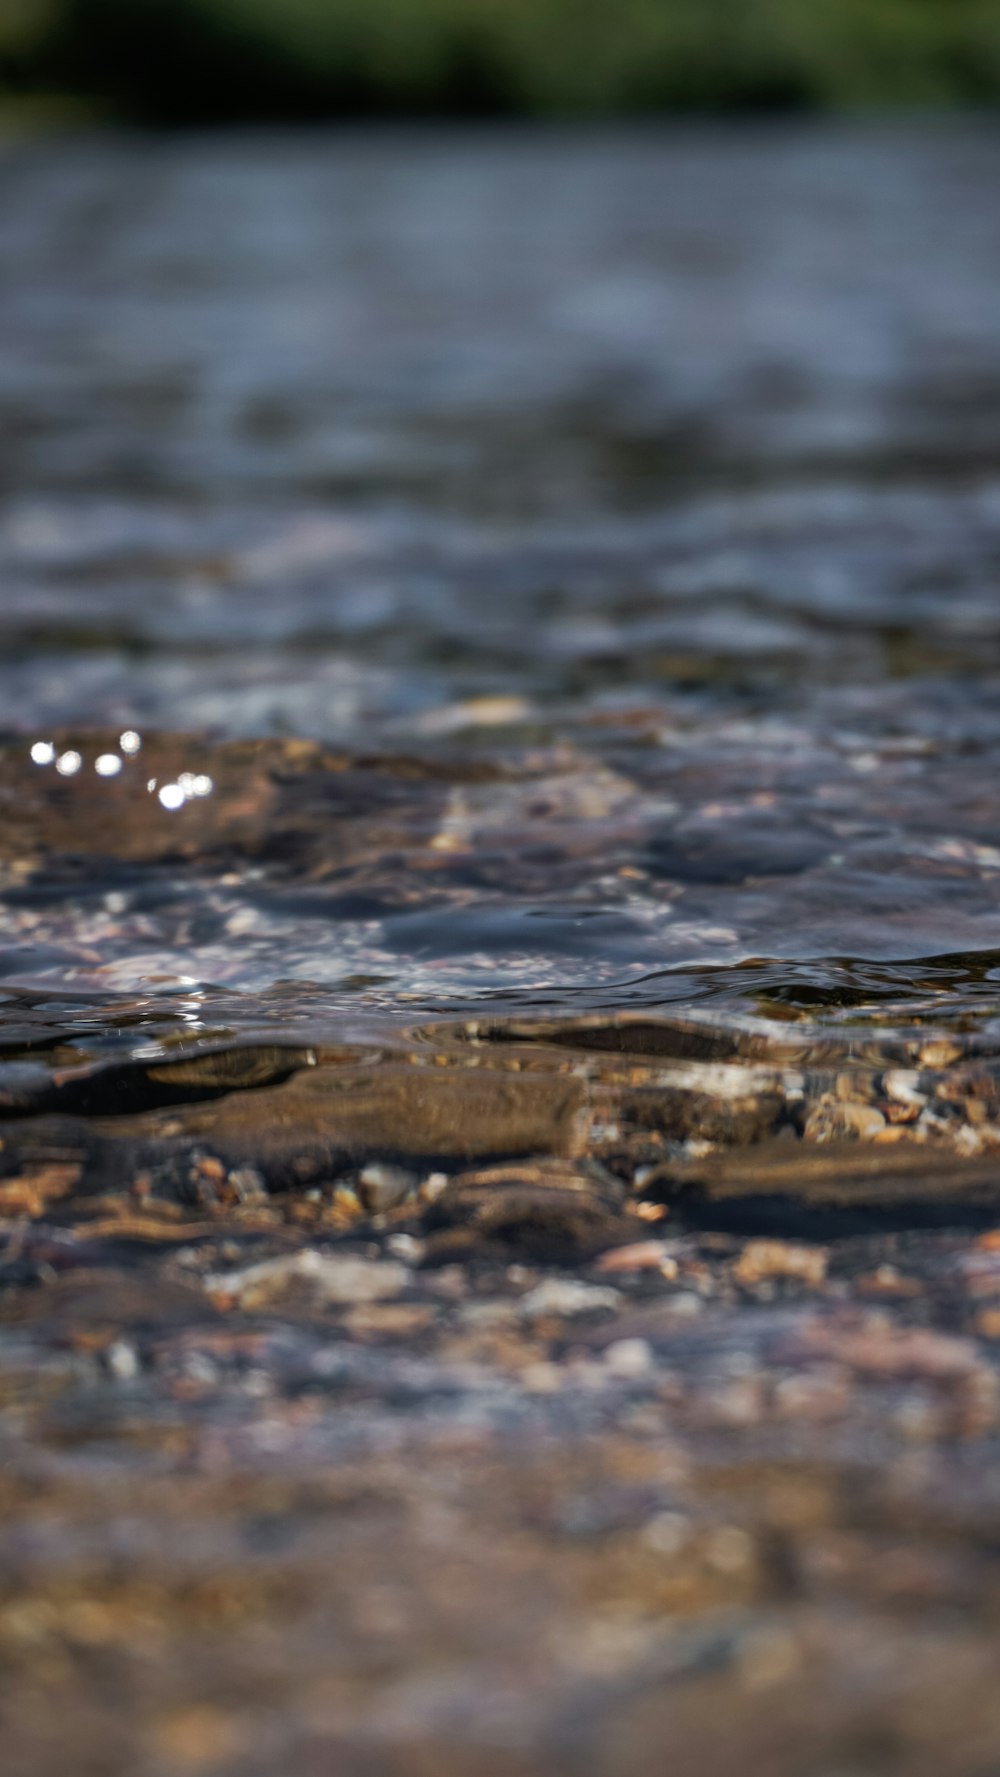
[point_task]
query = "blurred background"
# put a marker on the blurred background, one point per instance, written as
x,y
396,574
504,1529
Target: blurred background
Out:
x,y
199,61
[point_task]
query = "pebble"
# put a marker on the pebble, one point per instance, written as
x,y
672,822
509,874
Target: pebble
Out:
x,y
902,1085
667,1532
388,1320
406,1247
832,1118
496,1313
629,1358
567,1296
383,1187
122,1361
345,1279
781,1259
642,1255
248,1183
543,1378
337,1279
939,1052
686,1304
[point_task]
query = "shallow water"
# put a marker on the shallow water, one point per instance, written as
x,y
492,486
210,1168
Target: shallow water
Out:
x,y
623,511
535,597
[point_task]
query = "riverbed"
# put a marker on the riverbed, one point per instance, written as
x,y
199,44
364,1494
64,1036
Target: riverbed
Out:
x,y
499,952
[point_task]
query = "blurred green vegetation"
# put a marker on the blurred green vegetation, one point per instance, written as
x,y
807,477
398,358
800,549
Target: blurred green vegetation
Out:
x,y
205,60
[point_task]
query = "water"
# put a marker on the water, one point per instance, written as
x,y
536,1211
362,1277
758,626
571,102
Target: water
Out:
x,y
623,511
534,597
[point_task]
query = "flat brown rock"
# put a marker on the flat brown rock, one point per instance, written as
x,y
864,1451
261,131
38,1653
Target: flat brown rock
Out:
x,y
844,1175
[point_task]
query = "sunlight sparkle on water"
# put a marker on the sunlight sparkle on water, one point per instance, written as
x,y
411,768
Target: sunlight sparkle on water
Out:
x,y
195,783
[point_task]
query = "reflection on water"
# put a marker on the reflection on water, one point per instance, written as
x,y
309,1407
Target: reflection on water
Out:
x,y
170,796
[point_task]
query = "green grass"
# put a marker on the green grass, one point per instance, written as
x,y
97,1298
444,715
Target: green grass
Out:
x,y
175,60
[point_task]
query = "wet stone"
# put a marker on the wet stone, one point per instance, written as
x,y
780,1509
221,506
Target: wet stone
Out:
x,y
327,1279
385,1187
543,1209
